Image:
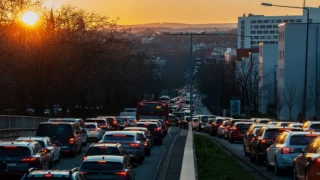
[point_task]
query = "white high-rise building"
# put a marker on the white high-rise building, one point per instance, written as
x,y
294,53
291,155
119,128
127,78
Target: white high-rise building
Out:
x,y
264,29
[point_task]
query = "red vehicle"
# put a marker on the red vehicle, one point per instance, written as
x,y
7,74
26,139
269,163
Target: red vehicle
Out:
x,y
153,110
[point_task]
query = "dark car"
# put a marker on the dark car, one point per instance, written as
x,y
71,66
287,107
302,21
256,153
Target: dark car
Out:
x,y
248,138
112,121
230,124
146,130
173,120
123,123
264,139
16,158
155,130
238,130
34,174
65,135
215,125
103,124
107,167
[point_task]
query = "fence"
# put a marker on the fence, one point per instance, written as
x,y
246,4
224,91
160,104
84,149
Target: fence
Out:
x,y
20,122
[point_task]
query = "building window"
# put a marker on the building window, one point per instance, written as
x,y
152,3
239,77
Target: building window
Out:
x,y
298,20
275,37
275,26
277,31
283,54
286,21
272,21
259,32
259,21
279,21
242,38
242,32
266,21
256,27
269,26
277,42
262,37
266,32
253,21
256,37
268,37
262,26
254,42
310,20
242,27
253,32
242,22
273,41
242,44
272,32
280,55
292,20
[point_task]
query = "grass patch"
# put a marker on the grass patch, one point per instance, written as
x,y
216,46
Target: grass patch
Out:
x,y
214,163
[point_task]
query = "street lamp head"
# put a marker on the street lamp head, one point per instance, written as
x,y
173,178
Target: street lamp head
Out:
x,y
266,4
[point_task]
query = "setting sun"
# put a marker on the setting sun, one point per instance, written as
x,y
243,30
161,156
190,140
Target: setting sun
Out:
x,y
30,18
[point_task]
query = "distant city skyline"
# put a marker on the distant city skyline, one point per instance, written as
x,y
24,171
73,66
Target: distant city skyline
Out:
x,y
182,11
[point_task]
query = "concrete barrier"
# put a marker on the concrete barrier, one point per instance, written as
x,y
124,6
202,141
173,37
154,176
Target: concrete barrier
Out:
x,y
188,170
20,122
8,133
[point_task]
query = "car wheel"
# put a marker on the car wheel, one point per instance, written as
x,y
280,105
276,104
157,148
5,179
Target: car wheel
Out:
x,y
268,167
277,170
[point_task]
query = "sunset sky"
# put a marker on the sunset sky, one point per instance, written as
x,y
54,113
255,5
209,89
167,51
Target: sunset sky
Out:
x,y
182,11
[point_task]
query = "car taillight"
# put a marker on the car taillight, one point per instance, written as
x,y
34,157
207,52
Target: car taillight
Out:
x,y
216,124
286,150
71,141
84,158
134,145
114,122
121,173
145,144
29,160
102,126
262,141
157,129
83,173
318,160
167,122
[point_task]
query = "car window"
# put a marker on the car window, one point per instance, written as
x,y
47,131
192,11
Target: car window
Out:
x,y
149,126
49,142
301,140
315,126
121,137
91,126
102,150
14,151
219,121
54,129
98,166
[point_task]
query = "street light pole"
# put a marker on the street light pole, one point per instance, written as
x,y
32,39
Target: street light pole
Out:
x,y
304,102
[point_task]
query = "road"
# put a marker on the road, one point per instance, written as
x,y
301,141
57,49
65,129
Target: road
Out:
x,y
147,170
237,149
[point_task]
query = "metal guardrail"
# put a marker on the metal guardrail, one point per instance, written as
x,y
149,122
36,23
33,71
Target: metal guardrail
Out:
x,y
9,122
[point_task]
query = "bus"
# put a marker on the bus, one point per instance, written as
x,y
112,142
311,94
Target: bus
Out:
x,y
153,110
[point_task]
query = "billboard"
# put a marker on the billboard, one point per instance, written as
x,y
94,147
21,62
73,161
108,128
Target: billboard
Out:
x,y
235,107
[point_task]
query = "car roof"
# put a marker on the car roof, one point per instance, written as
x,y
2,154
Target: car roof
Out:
x,y
105,144
36,138
243,123
70,123
150,120
53,172
121,132
302,132
17,143
147,122
136,128
90,123
107,158
97,119
66,119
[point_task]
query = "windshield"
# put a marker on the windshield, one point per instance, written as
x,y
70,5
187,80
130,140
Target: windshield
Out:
x,y
14,151
96,166
102,150
301,140
315,126
243,126
219,121
54,129
119,137
152,108
120,120
91,126
273,133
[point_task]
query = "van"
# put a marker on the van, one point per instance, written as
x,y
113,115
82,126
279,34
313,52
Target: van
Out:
x,y
79,122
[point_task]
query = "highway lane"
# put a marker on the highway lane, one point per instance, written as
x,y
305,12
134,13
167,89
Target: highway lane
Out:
x,y
147,170
237,148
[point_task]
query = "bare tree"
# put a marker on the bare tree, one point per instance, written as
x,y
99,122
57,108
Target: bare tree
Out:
x,y
309,101
280,103
290,97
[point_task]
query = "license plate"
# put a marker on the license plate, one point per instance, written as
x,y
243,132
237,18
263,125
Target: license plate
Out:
x,y
11,164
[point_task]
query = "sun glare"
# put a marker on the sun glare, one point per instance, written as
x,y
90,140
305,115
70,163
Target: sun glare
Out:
x,y
30,18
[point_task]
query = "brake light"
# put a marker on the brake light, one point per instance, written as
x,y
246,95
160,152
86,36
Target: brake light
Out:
x,y
121,173
83,173
10,147
318,160
84,158
29,159
102,162
47,176
286,150
262,141
134,145
71,141
145,144
157,129
216,124
167,122
102,126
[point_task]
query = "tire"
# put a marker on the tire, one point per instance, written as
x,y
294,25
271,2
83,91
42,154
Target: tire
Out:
x,y
277,170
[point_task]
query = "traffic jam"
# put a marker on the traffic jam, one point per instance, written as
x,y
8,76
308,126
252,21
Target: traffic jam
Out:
x,y
285,148
120,144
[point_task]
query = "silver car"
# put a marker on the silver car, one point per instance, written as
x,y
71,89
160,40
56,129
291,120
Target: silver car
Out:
x,y
94,131
286,148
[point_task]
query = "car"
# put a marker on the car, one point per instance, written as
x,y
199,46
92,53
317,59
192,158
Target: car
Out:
x,y
103,124
64,134
248,139
155,130
94,131
146,142
238,130
79,122
130,140
148,133
112,121
306,165
107,167
34,174
311,125
132,121
173,120
286,148
46,143
265,137
222,129
215,125
262,121
230,124
195,122
18,157
161,123
123,122
203,120
283,124
106,149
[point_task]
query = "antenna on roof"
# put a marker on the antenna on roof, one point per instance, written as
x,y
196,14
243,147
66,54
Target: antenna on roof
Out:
x,y
304,3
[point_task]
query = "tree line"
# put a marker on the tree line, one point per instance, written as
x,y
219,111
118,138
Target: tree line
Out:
x,y
81,61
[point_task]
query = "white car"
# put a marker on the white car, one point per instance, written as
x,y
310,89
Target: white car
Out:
x,y
195,123
94,131
286,148
46,143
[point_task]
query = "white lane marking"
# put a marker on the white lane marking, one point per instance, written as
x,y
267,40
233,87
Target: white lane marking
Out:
x,y
169,131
